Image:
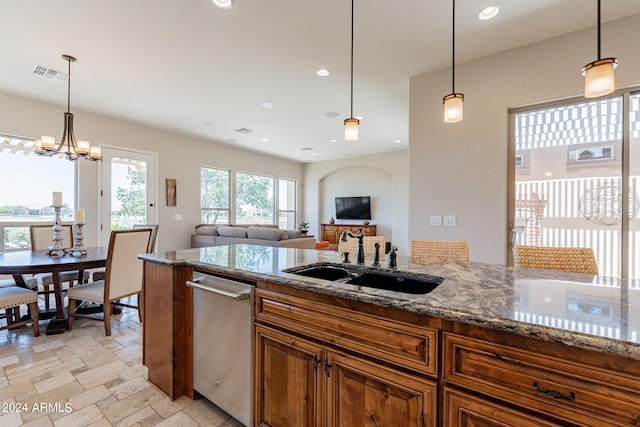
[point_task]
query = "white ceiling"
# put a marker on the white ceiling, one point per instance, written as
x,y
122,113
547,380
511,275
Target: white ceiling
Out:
x,y
178,64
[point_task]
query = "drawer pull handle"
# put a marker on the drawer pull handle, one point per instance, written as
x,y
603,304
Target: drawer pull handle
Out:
x,y
553,393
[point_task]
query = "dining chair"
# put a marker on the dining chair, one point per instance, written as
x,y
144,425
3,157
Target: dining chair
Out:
x,y
447,250
41,238
98,274
123,277
571,260
368,242
11,298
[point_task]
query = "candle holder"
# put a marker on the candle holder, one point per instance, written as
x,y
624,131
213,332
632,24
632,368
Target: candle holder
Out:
x,y
56,248
78,249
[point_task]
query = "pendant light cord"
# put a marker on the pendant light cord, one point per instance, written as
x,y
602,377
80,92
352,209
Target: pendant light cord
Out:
x,y
352,9
69,87
599,56
453,48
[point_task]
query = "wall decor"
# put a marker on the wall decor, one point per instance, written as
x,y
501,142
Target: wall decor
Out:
x,y
171,192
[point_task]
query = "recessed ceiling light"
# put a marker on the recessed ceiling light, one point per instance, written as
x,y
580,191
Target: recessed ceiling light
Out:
x,y
269,104
264,139
223,4
211,124
488,13
332,114
332,140
397,141
323,72
314,154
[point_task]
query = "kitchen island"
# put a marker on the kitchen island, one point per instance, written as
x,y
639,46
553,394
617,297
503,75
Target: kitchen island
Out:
x,y
490,344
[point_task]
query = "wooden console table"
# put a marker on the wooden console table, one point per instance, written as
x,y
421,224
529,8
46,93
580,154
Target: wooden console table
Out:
x,y
332,232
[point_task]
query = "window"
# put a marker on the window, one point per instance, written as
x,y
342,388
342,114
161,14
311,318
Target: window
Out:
x,y
572,194
254,199
214,196
28,183
287,204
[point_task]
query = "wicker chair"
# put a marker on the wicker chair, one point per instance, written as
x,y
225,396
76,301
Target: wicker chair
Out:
x,y
571,260
447,250
351,246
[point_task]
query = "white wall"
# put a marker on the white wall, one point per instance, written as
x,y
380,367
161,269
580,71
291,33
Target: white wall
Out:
x,y
461,169
382,176
180,157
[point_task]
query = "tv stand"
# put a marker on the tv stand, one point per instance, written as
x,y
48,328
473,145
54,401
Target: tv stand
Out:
x,y
332,232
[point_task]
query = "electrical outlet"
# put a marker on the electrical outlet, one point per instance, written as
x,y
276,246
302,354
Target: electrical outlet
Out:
x,y
436,220
449,220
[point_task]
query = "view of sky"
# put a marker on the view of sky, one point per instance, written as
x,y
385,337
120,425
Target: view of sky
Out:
x,y
31,180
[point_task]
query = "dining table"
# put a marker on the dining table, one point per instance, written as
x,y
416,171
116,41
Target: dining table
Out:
x,y
21,263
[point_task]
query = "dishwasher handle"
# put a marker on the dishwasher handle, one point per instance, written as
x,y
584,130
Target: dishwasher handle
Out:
x,y
237,296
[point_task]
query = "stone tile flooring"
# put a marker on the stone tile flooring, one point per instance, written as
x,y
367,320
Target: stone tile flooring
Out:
x,y
83,378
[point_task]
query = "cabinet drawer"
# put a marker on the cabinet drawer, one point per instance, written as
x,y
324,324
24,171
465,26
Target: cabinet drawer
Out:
x,y
412,347
578,393
464,410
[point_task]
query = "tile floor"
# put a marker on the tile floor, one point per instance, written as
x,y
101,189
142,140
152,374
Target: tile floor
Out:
x,y
83,378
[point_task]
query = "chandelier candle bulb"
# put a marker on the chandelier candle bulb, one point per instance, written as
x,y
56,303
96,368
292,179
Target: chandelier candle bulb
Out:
x,y
48,142
79,216
83,147
57,198
95,153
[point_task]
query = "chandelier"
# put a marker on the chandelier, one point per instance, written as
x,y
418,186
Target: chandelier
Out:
x,y
72,149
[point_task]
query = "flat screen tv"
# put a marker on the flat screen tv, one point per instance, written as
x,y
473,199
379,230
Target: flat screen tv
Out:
x,y
353,207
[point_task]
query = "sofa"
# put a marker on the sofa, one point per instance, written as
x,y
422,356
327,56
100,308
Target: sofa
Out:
x,y
254,234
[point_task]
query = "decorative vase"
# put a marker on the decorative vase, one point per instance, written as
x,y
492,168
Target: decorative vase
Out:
x,y
332,221
365,222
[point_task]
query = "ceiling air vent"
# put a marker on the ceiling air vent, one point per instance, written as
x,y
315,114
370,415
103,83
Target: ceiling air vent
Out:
x,y
306,149
49,73
244,130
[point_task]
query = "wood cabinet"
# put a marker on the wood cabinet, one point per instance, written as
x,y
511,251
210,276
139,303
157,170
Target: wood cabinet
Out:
x,y
465,410
331,232
288,389
571,385
309,375
167,349
301,383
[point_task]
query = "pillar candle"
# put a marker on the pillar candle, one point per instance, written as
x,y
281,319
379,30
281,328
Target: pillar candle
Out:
x,y
79,216
57,198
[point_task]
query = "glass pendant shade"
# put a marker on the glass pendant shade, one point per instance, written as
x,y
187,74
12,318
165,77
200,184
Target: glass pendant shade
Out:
x,y
599,77
351,129
453,107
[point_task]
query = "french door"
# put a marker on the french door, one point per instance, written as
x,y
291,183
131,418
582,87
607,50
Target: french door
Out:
x,y
127,190
575,171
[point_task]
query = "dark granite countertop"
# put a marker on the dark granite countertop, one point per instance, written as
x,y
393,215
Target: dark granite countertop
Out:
x,y
596,313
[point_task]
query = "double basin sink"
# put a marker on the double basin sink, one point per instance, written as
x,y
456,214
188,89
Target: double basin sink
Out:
x,y
370,277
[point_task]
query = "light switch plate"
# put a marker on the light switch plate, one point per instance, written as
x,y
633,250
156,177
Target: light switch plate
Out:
x,y
179,217
449,220
436,220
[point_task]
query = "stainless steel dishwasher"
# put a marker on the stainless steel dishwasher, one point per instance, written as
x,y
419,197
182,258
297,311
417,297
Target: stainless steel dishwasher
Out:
x,y
222,343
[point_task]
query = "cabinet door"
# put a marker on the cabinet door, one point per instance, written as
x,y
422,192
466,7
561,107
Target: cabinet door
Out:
x,y
288,389
365,394
464,410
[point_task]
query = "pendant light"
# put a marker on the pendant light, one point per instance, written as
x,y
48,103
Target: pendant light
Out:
x,y
599,77
351,124
453,101
72,149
